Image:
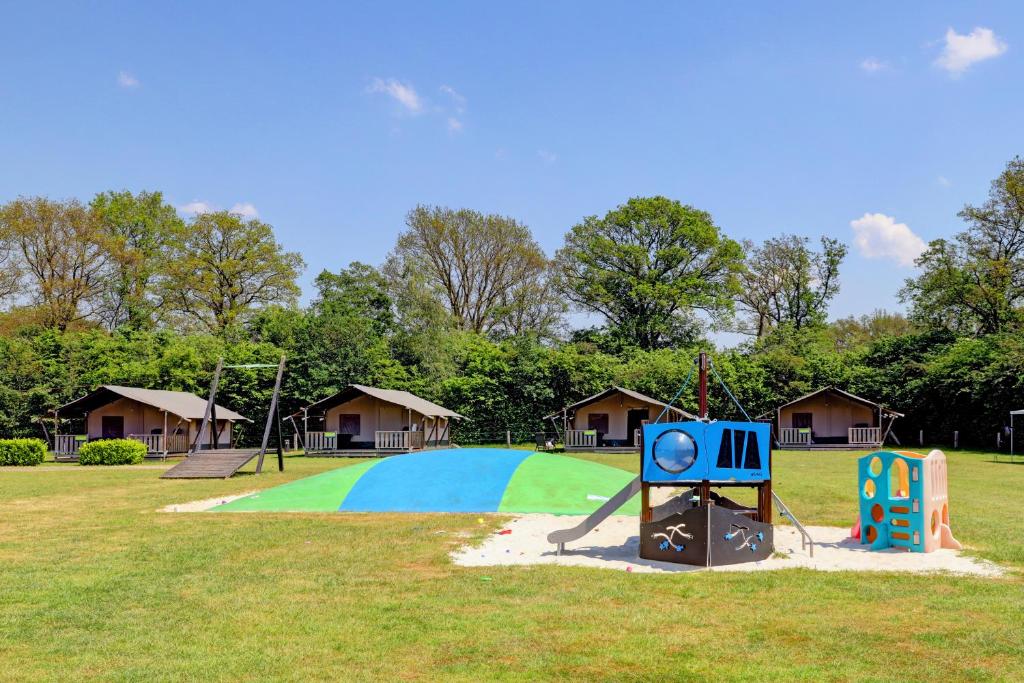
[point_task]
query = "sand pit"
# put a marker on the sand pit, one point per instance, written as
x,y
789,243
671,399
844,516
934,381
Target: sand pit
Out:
x,y
615,543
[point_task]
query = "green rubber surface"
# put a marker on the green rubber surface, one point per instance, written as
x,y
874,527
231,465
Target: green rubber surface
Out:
x,y
322,492
562,485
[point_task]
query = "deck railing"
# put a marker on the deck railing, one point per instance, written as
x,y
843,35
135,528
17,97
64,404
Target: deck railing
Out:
x,y
865,435
581,438
794,436
398,440
321,441
68,444
155,443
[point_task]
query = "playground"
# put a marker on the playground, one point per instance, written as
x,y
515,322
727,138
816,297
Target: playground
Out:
x,y
93,570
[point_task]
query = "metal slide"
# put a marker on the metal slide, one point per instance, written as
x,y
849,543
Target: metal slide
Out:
x,y
563,536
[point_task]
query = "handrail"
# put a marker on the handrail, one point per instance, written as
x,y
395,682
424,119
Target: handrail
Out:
x,y
805,538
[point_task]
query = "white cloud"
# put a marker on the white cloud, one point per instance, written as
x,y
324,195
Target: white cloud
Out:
x,y
546,156
878,236
194,208
872,65
961,51
403,93
457,98
126,80
197,207
943,180
454,125
244,209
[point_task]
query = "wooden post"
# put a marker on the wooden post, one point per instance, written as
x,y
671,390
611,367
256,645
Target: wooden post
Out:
x,y
165,449
209,406
920,437
645,502
703,386
508,438
956,439
271,414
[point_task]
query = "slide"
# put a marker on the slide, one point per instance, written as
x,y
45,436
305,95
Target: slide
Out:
x,y
563,536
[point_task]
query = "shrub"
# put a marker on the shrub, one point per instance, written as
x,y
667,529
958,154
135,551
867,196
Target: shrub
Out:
x,y
112,452
22,451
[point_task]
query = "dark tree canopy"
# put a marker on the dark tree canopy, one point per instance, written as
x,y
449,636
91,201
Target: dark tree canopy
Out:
x,y
647,266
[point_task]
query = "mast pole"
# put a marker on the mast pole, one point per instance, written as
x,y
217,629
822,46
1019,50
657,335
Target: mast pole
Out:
x,y
703,385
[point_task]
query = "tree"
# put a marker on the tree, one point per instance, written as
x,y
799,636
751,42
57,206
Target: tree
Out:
x,y
784,282
221,268
974,284
10,267
137,229
486,271
344,336
648,266
61,249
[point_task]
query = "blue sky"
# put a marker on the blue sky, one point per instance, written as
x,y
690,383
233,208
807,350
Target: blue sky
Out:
x,y
331,123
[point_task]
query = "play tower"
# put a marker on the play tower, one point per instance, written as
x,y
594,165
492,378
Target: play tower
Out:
x,y
704,457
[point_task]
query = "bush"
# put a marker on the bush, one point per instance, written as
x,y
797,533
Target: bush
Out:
x,y
112,452
22,451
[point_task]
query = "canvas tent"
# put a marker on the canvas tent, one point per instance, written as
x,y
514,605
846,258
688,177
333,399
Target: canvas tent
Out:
x,y
611,419
360,418
166,421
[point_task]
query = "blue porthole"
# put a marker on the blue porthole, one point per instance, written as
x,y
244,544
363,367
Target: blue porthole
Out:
x,y
674,451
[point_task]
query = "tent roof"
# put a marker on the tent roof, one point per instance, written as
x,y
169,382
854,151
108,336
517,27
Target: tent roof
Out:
x,y
620,390
180,403
844,394
394,396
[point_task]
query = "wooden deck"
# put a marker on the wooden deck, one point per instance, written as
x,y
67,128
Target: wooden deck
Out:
x,y
214,464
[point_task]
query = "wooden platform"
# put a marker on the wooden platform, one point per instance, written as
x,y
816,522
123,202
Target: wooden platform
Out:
x,y
214,464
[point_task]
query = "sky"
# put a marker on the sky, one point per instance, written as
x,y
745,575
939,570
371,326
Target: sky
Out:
x,y
870,122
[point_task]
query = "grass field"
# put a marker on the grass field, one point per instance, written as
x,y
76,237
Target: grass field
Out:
x,y
96,584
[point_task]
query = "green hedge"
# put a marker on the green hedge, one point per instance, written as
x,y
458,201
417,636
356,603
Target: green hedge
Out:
x,y
112,452
22,451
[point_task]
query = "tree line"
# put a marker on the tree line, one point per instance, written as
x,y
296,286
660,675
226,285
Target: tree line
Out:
x,y
469,311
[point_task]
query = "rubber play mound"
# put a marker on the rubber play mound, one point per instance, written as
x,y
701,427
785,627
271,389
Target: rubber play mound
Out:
x,y
451,480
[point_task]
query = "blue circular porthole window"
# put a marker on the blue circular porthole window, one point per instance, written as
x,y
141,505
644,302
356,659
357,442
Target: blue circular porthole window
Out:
x,y
674,451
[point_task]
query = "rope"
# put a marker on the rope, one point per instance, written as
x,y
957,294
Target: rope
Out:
x,y
722,382
678,393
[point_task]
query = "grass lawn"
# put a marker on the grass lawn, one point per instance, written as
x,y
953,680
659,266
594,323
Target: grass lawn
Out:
x,y
95,583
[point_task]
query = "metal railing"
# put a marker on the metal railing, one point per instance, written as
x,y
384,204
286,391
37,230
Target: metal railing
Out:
x,y
805,538
794,435
866,435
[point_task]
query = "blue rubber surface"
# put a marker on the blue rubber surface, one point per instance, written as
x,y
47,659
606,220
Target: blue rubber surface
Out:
x,y
451,480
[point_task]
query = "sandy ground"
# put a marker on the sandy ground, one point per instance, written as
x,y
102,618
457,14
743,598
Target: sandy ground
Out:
x,y
615,544
205,504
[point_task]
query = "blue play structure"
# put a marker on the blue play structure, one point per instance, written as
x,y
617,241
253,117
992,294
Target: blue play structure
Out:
x,y
694,452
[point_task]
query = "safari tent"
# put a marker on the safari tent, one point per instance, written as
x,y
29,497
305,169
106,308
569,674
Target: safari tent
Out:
x,y
833,418
166,421
364,420
610,420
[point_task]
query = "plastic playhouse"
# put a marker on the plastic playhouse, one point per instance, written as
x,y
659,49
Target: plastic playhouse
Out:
x,y
904,502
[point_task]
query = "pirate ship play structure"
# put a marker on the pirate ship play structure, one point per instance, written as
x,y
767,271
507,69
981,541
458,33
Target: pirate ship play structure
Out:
x,y
700,526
